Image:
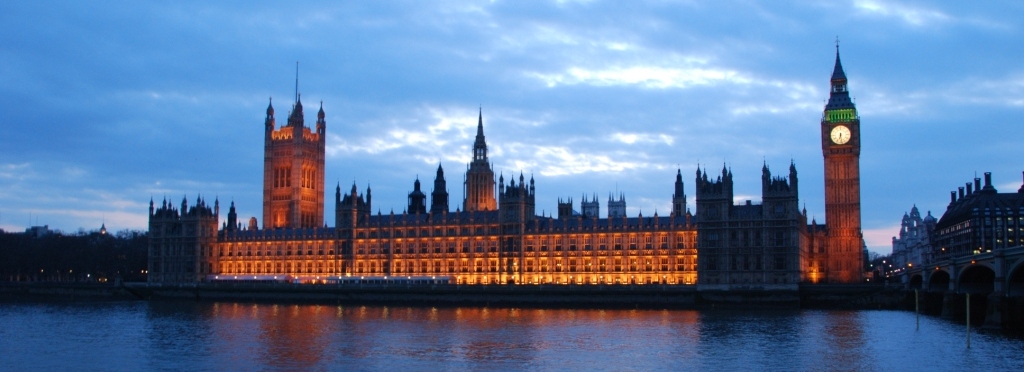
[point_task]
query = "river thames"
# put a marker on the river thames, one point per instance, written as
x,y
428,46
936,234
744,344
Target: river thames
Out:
x,y
183,335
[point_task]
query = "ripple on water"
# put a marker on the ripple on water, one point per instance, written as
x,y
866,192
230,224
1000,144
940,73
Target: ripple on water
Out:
x,y
234,336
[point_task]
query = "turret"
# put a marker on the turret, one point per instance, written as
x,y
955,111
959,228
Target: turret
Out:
x,y
792,177
232,223
439,196
479,182
417,199
679,196
269,121
321,123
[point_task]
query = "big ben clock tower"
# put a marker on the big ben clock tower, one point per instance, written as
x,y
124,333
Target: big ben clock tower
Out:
x,y
840,145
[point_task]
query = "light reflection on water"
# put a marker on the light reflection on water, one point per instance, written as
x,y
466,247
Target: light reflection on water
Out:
x,y
244,336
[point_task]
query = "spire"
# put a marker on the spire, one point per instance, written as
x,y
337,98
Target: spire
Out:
x,y
480,124
839,98
837,72
480,144
320,115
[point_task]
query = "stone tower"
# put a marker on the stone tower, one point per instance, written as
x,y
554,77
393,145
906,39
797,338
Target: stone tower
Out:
x,y
479,184
617,208
565,208
293,171
840,145
590,208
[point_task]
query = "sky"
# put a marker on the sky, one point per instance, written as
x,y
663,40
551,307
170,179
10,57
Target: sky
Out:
x,y
106,105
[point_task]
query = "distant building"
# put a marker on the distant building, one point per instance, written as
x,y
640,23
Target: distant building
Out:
x,y
979,219
591,208
617,208
914,244
38,231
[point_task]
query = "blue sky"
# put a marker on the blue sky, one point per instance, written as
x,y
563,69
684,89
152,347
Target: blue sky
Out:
x,y
105,105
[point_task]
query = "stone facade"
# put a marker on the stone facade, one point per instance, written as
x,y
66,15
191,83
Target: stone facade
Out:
x,y
843,257
979,219
183,245
914,244
293,171
497,237
749,246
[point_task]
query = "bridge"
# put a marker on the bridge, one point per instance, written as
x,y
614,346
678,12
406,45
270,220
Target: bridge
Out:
x,y
994,280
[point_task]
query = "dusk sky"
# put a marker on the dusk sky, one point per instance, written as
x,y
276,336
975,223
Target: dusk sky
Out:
x,y
106,105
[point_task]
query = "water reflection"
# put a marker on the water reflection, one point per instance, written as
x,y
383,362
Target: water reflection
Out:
x,y
238,336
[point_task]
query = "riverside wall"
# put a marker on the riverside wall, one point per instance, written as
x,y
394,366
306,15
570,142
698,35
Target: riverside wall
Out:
x,y
566,296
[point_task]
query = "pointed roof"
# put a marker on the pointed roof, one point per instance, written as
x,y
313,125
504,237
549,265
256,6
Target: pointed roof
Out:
x,y
837,72
480,124
296,117
839,98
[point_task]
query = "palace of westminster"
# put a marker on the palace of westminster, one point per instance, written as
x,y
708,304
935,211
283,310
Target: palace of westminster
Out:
x,y
495,236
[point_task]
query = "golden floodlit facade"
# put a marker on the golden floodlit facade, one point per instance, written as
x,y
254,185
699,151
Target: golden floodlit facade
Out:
x,y
496,237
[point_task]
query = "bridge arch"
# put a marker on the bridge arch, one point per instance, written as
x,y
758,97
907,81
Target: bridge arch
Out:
x,y
916,282
938,281
977,279
1015,281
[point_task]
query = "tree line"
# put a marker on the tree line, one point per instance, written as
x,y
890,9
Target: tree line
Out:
x,y
77,257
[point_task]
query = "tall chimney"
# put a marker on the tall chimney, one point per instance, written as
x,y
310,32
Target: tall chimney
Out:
x,y
961,192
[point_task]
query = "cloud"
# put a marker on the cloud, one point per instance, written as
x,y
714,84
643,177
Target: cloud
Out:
x,y
16,171
914,16
642,138
555,161
444,127
1007,91
650,77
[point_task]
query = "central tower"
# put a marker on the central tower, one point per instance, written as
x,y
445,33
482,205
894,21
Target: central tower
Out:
x,y
479,185
293,171
840,145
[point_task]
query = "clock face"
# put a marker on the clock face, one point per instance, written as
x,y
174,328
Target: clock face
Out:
x,y
840,134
